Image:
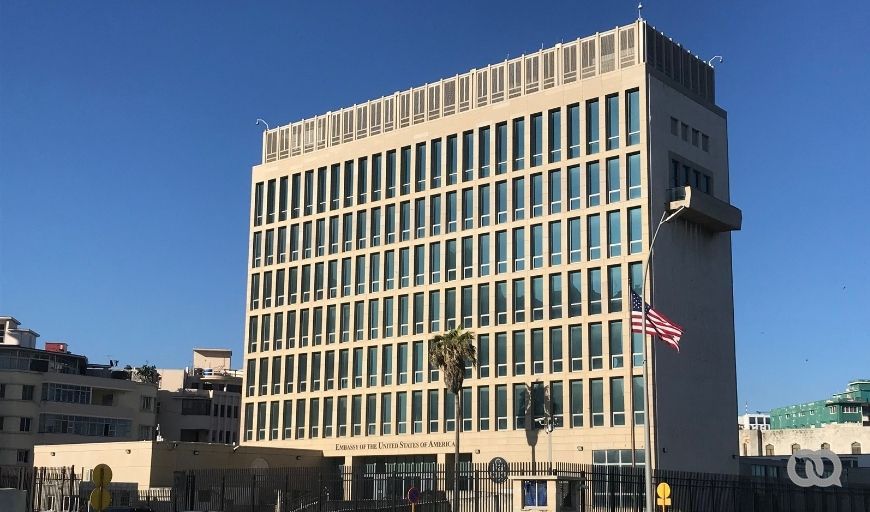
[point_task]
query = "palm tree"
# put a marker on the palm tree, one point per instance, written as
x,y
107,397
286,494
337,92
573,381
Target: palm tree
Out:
x,y
450,352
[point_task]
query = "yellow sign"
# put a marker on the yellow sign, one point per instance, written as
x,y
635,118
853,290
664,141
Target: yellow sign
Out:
x,y
102,475
100,499
663,491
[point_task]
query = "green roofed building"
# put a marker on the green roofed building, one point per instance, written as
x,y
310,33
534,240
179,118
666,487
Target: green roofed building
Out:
x,y
850,406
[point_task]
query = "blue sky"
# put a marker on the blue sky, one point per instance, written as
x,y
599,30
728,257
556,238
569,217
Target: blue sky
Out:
x,y
127,136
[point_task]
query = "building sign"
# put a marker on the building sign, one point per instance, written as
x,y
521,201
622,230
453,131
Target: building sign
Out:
x,y
393,445
498,470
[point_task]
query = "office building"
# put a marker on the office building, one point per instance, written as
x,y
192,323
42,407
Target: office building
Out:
x,y
850,406
201,403
517,200
52,396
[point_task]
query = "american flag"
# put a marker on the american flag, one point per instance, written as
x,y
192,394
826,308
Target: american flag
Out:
x,y
656,323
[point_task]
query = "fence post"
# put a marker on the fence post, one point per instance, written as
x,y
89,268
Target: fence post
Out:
x,y
394,490
253,490
320,491
223,489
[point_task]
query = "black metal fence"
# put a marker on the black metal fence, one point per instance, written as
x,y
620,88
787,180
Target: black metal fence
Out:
x,y
383,487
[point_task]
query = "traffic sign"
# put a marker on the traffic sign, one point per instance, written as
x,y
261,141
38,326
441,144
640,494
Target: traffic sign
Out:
x,y
663,491
101,475
414,495
100,498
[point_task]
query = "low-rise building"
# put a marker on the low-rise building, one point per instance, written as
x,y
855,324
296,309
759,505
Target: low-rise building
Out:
x,y
842,439
754,421
201,403
52,396
850,406
154,464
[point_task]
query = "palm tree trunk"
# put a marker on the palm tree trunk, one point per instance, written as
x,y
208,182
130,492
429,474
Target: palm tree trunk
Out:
x,y
458,415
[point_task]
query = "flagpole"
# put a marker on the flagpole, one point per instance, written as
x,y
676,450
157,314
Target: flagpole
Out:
x,y
647,360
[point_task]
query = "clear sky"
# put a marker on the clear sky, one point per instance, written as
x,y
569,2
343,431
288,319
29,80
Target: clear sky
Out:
x,y
127,137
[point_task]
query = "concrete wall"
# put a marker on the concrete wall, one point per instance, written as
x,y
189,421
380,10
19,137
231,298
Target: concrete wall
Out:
x,y
691,281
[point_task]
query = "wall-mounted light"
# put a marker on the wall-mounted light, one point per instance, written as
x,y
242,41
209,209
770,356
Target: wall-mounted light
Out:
x,y
196,452
128,451
52,454
477,451
579,448
298,457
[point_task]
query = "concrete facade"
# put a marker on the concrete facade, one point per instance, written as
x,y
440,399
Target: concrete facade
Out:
x,y
153,464
517,200
55,397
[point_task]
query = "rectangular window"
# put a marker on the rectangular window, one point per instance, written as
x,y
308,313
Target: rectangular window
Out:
x,y
519,146
420,167
594,281
593,235
449,412
592,127
467,307
387,364
404,221
467,412
450,308
596,399
519,249
519,199
576,403
419,218
519,286
537,298
614,288
483,408
617,401
483,354
376,177
501,354
613,188
348,185
468,156
501,148
519,352
537,193
555,243
537,139
575,347
405,171
555,296
593,184
334,191
554,135
483,205
270,202
435,163
451,212
573,130
451,160
501,418
555,184
574,240
574,294
637,398
362,176
537,351
633,176
614,233
433,411
386,414
632,116
556,353
612,128
635,243
596,357
435,214
483,151
521,396
468,208
537,243
500,302
450,259
483,257
371,415
417,412
258,204
501,202
418,355
614,334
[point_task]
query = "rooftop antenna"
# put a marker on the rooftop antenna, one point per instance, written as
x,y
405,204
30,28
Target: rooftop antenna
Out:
x,y
721,60
639,9
264,123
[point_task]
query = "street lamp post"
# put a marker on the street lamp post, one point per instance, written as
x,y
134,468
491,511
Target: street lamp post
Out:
x,y
667,216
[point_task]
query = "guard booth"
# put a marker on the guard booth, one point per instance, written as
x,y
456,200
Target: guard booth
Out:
x,y
547,493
